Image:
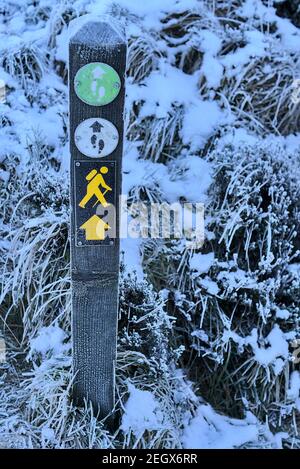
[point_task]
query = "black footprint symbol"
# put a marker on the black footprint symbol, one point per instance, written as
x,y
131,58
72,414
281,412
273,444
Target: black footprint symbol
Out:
x,y
100,145
94,140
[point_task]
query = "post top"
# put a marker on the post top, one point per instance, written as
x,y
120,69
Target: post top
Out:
x,y
97,31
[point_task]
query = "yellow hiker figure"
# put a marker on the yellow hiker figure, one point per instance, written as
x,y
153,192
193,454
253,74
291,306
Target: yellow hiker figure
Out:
x,y
93,187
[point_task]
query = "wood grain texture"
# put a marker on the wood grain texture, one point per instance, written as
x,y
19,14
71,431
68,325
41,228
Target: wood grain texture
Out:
x,y
95,269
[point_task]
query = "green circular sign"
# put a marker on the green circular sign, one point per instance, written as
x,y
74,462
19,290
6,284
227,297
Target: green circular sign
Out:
x,y
97,84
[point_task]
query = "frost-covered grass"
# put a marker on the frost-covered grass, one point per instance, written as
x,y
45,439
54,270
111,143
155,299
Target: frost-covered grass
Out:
x,y
206,336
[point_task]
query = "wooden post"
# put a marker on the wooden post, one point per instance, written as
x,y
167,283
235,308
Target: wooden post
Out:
x,y
97,60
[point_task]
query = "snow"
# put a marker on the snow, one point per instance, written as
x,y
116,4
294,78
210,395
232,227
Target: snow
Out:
x,y
293,392
151,11
205,430
131,251
49,339
201,335
268,351
210,42
213,71
235,279
255,8
162,89
170,87
276,346
208,430
141,412
195,181
200,121
136,171
209,285
202,262
4,175
194,184
99,16
256,46
48,434
62,47
278,366
211,66
7,79
289,34
282,313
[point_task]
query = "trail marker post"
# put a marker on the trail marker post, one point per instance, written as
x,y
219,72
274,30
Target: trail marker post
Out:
x,y
97,60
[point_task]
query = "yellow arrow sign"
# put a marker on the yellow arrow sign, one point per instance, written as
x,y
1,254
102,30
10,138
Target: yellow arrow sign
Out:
x,y
95,228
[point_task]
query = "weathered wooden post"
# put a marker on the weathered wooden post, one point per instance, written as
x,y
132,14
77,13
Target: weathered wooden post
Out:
x,y
97,59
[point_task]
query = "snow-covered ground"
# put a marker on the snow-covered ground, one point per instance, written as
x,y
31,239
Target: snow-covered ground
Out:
x,y
209,338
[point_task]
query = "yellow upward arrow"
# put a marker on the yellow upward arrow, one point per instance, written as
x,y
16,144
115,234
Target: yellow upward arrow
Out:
x,y
95,228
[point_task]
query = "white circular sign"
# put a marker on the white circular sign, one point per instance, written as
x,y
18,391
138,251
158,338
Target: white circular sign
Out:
x,y
96,137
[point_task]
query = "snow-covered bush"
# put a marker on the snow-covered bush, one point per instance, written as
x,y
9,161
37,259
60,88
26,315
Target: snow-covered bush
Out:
x,y
250,306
